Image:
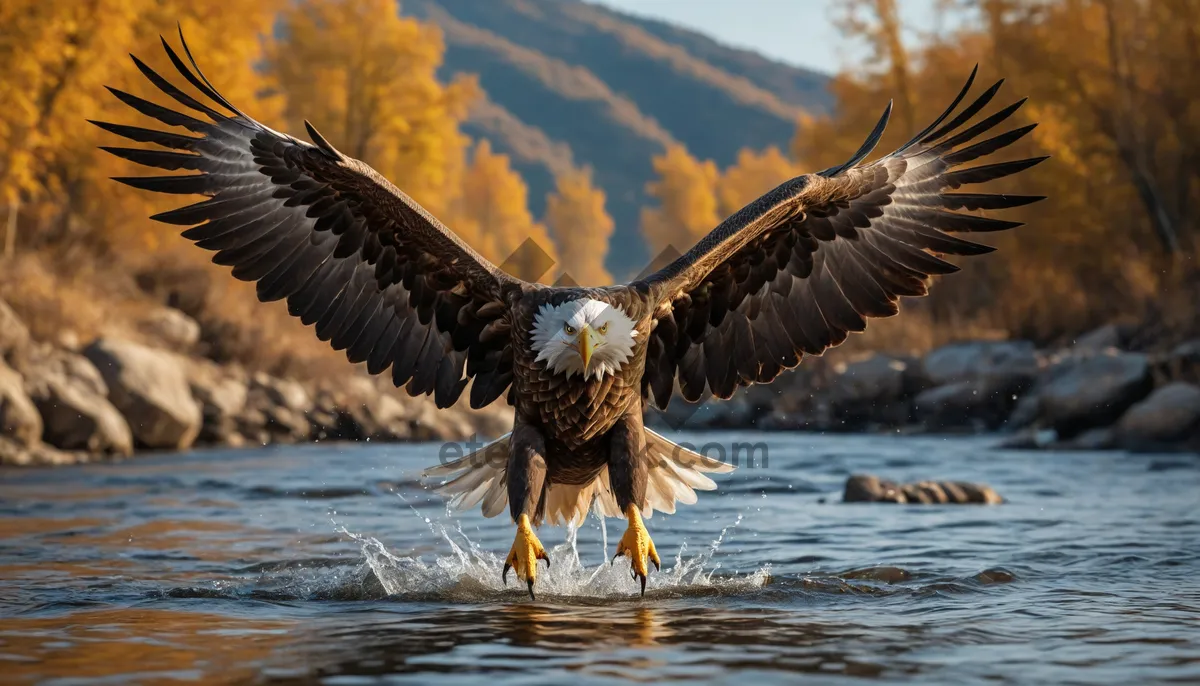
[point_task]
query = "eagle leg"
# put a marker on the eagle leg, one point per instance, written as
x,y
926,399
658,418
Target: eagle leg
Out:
x,y
526,478
526,551
637,546
628,469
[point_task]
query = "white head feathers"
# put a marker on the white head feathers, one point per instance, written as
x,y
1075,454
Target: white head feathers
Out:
x,y
586,336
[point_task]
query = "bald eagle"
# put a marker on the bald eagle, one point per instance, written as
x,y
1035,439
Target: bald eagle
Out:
x,y
790,274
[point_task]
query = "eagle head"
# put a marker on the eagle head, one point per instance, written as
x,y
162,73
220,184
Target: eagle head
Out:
x,y
583,336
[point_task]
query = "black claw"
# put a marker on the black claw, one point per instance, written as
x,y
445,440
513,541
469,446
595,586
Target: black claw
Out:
x,y
656,567
547,559
504,574
530,584
643,578
614,560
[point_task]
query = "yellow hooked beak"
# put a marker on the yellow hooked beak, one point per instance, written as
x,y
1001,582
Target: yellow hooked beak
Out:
x,y
585,345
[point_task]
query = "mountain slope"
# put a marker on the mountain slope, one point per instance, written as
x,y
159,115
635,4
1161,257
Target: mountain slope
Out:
x,y
573,83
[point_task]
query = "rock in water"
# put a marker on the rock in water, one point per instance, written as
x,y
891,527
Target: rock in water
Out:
x,y
151,390
867,488
19,418
14,453
1088,392
1168,416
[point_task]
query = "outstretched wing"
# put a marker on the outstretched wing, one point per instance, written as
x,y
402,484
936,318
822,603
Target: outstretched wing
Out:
x,y
376,274
796,270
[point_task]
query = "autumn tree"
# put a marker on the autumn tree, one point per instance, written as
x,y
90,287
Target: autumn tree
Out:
x,y
1115,111
55,59
878,23
581,227
753,174
495,217
366,78
687,202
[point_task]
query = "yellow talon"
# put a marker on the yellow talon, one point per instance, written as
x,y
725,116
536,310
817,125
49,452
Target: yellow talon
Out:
x,y
637,546
526,551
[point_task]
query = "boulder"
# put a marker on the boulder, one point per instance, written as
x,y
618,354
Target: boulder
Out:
x,y
14,335
1025,413
1103,339
283,392
46,360
867,488
492,421
1168,416
960,405
874,390
1182,363
221,392
171,327
432,424
284,425
72,400
19,418
1092,391
1002,364
150,388
1097,438
18,454
714,413
276,411
976,384
357,410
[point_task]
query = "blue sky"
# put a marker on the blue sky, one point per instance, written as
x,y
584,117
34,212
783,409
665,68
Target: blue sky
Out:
x,y
799,32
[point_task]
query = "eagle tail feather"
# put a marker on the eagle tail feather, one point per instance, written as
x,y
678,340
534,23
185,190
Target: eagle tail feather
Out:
x,y
478,477
675,474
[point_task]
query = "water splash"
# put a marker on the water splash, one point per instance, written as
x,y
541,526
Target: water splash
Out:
x,y
472,574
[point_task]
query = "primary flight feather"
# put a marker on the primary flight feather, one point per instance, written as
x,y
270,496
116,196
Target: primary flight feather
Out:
x,y
790,274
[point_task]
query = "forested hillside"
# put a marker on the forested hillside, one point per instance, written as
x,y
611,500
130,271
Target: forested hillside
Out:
x,y
572,82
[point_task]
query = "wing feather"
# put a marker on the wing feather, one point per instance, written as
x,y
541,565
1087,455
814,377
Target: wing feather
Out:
x,y
796,271
352,255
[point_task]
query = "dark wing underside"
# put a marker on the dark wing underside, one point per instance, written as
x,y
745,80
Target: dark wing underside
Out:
x,y
798,269
355,257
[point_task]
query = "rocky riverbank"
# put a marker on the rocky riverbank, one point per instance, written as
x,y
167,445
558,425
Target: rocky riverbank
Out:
x,y
68,402
1092,395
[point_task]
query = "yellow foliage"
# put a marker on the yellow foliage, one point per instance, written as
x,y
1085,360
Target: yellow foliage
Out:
x,y
495,217
56,56
581,227
754,173
364,75
1117,114
367,79
686,194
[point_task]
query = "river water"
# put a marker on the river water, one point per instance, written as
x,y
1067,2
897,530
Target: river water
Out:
x,y
335,564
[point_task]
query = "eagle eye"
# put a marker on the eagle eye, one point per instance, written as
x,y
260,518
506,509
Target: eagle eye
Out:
x,y
603,328
569,329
